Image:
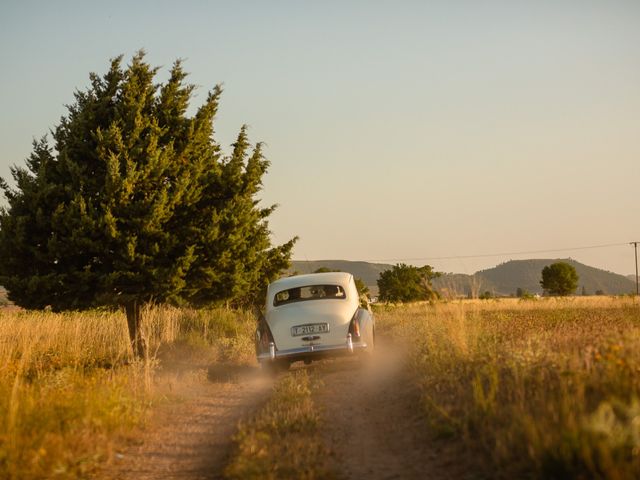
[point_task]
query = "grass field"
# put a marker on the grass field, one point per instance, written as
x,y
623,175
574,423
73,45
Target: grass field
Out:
x,y
281,440
69,388
542,389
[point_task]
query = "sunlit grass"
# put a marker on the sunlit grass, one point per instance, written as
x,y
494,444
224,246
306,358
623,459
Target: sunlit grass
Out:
x,y
546,388
282,440
69,386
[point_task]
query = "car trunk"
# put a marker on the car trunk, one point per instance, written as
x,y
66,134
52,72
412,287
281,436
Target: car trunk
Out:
x,y
312,314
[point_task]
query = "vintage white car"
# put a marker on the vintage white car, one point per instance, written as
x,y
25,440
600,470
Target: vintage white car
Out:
x,y
308,317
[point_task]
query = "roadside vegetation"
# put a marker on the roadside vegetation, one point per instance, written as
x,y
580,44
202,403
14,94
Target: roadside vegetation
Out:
x,y
542,389
70,388
282,440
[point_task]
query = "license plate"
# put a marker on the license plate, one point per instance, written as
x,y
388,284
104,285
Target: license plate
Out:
x,y
309,329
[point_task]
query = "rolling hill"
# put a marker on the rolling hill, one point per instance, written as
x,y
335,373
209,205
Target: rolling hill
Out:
x,y
507,277
368,272
501,280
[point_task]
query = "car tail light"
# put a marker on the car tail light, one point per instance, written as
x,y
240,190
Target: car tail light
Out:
x,y
265,338
354,327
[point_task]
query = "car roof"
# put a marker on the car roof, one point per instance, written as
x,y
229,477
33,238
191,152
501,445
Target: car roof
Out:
x,y
339,278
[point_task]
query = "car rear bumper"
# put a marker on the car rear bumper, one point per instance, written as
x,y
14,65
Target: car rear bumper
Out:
x,y
312,351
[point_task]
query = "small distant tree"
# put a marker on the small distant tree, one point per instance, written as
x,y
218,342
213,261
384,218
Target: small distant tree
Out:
x,y
524,294
559,278
406,283
324,270
362,288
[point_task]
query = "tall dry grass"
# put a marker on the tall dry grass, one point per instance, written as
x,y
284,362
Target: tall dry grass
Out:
x,y
542,389
282,440
69,386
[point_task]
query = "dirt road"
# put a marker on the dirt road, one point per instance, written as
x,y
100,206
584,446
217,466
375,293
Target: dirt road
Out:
x,y
373,423
191,439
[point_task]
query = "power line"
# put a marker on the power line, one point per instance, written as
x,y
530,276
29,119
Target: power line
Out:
x,y
635,248
481,255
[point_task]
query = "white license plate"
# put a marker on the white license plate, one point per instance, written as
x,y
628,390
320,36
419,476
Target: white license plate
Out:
x,y
309,329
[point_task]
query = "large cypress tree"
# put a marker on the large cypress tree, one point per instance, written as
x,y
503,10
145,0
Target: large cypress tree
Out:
x,y
135,203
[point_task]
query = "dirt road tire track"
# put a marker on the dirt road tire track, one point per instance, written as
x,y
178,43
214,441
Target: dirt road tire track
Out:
x,y
192,439
373,423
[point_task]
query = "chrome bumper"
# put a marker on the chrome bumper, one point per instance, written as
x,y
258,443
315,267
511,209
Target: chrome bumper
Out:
x,y
311,351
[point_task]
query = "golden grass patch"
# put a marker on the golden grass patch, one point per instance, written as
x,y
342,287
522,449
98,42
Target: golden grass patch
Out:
x,y
69,387
546,388
282,441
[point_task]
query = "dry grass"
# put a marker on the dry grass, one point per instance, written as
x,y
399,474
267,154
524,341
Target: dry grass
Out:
x,y
545,389
69,387
282,441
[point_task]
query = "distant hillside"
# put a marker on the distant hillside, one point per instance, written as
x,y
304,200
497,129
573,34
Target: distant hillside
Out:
x,y
526,274
368,272
502,280
506,278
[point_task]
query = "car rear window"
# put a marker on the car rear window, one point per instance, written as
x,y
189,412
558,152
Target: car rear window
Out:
x,y
311,292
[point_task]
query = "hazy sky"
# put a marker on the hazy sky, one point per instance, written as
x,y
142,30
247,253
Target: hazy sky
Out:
x,y
396,130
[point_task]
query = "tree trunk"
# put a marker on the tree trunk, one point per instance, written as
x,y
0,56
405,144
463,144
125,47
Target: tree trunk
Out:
x,y
133,310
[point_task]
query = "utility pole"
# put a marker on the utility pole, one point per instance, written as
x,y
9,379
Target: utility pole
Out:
x,y
635,247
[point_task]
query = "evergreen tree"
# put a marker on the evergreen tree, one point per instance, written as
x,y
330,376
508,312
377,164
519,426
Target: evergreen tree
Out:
x,y
136,203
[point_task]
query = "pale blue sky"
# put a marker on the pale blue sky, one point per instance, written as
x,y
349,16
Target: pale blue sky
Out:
x,y
396,130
